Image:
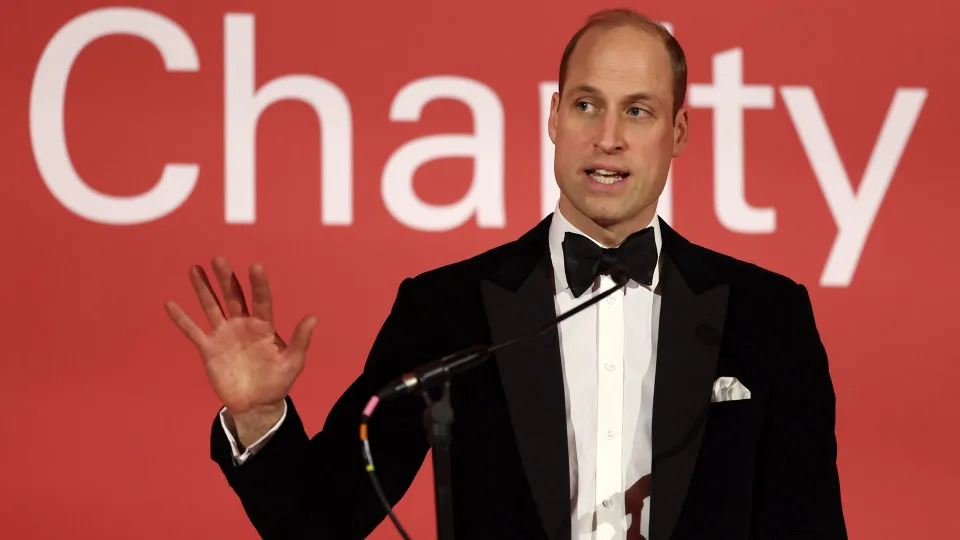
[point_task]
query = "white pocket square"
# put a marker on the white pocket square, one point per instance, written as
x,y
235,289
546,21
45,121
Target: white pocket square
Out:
x,y
728,389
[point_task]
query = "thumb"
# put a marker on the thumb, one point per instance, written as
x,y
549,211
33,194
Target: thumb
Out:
x,y
302,334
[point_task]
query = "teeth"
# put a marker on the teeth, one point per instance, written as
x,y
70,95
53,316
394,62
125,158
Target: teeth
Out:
x,y
606,179
605,176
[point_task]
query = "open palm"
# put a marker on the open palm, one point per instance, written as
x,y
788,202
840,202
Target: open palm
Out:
x,y
247,363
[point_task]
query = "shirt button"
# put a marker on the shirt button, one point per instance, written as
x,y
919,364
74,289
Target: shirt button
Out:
x,y
612,299
607,503
610,434
610,367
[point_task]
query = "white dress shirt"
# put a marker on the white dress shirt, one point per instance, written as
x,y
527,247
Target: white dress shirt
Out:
x,y
608,355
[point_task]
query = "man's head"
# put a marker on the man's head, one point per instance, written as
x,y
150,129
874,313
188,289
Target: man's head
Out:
x,y
617,122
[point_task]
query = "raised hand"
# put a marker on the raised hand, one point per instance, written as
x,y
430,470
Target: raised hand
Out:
x,y
248,365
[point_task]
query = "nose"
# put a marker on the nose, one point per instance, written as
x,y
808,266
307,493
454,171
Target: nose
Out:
x,y
610,139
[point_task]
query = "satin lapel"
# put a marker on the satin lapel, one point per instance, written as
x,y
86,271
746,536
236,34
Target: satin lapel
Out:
x,y
691,326
532,379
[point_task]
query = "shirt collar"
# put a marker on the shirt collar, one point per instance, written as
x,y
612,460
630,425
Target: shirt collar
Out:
x,y
559,226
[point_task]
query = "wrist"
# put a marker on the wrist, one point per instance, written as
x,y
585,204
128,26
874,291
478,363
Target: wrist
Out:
x,y
250,425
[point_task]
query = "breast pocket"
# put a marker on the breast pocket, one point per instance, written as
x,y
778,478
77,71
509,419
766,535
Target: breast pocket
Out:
x,y
732,429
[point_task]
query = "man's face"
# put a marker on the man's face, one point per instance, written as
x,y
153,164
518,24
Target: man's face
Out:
x,y
614,129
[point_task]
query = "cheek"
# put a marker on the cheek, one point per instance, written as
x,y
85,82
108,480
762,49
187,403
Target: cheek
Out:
x,y
571,146
574,131
653,150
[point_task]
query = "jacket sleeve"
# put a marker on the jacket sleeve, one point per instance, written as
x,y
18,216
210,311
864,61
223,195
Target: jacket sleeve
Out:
x,y
797,489
302,487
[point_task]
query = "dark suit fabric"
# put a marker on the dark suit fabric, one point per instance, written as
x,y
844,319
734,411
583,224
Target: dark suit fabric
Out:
x,y
763,468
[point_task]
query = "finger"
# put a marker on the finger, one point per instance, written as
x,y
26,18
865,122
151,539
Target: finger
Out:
x,y
262,305
230,286
208,300
186,324
302,335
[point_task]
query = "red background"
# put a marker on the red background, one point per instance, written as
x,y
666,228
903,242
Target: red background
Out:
x,y
107,412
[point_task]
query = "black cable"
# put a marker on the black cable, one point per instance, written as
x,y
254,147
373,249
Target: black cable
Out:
x,y
368,458
621,278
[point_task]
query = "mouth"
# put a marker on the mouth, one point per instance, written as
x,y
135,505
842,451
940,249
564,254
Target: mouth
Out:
x,y
607,176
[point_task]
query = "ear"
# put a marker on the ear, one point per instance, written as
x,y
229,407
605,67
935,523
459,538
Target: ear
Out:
x,y
680,131
552,120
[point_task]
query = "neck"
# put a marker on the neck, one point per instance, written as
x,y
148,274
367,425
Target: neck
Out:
x,y
609,234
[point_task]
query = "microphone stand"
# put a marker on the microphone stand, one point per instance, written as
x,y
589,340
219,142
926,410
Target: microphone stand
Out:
x,y
438,417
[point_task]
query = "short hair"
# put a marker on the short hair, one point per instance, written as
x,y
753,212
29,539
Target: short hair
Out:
x,y
613,18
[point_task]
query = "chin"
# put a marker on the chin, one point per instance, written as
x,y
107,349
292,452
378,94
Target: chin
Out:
x,y
606,216
607,220
604,210
608,213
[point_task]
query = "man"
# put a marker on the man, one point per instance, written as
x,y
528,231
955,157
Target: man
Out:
x,y
696,403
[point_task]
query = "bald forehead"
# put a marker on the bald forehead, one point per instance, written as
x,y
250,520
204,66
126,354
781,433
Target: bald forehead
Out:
x,y
622,60
621,49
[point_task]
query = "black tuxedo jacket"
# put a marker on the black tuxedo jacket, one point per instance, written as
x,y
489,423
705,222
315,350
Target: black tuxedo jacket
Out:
x,y
763,468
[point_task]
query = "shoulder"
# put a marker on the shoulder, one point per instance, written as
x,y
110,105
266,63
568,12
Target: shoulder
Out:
x,y
759,289
458,273
762,303
446,305
747,276
513,259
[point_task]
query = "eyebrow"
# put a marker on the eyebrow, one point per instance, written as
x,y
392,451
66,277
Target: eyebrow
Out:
x,y
637,96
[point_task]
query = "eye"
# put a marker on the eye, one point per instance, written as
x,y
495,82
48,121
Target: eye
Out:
x,y
637,112
583,106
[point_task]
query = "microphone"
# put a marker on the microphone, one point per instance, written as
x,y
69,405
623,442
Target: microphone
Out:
x,y
443,369
436,371
440,412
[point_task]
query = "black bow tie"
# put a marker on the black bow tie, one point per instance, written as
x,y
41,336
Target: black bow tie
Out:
x,y
583,259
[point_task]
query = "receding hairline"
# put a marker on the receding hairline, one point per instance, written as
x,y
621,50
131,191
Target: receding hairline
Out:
x,y
617,18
